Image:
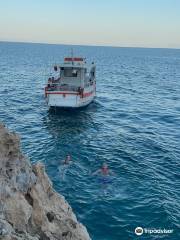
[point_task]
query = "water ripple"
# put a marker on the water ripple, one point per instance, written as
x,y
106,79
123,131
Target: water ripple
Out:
x,y
133,125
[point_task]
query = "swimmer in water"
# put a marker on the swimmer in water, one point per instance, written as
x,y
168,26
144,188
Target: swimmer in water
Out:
x,y
67,160
104,171
104,178
64,166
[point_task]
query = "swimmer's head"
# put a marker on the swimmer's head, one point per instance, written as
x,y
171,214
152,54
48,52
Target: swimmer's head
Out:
x,y
104,166
68,157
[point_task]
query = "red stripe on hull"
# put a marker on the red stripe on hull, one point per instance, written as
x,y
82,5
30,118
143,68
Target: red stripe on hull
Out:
x,y
68,93
88,94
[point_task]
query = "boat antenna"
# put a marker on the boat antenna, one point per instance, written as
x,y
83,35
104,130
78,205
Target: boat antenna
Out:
x,y
72,56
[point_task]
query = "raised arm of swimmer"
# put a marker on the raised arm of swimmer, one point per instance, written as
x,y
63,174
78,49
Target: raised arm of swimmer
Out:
x,y
97,172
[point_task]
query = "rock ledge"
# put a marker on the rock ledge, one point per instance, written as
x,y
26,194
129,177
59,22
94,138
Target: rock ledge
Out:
x,y
29,207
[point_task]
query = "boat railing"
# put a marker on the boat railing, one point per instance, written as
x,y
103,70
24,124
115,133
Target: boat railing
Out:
x,y
64,87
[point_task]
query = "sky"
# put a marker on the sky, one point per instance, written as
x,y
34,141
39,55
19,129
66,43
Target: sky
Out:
x,y
124,23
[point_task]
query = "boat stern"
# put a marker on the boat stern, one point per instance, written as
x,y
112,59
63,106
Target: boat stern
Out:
x,y
62,99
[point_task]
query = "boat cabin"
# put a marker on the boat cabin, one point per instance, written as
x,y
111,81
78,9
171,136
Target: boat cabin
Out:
x,y
72,75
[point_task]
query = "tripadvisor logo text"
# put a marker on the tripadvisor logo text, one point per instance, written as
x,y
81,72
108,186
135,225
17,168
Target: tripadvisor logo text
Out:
x,y
139,231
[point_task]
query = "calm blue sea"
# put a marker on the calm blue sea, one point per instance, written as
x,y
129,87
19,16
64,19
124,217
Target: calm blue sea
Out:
x,y
133,125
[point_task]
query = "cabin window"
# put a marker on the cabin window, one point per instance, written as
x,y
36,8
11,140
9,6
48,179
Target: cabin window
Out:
x,y
74,73
69,72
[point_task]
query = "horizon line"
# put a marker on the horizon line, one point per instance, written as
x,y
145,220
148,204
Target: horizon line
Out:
x,y
86,45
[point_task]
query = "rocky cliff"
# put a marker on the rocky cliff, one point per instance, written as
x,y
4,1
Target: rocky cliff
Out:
x,y
29,207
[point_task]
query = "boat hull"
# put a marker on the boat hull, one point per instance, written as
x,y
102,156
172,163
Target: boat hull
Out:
x,y
69,99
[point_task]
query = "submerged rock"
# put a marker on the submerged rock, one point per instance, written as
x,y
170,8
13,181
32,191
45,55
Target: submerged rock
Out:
x,y
29,207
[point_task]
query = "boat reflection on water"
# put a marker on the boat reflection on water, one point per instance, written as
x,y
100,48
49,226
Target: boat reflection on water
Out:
x,y
62,122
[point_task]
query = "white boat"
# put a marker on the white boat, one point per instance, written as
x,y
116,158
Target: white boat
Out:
x,y
74,86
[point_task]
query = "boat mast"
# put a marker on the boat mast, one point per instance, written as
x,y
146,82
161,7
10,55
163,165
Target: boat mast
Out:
x,y
72,56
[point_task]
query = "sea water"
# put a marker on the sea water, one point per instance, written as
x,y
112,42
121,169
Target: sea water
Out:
x,y
133,126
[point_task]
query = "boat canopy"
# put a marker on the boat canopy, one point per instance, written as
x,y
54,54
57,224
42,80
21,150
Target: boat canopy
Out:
x,y
74,62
